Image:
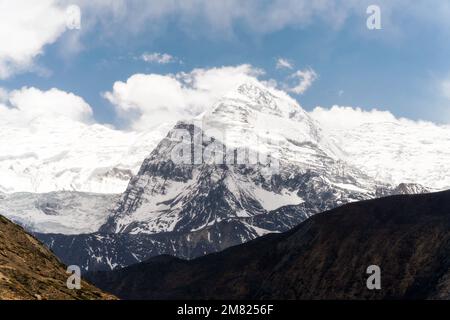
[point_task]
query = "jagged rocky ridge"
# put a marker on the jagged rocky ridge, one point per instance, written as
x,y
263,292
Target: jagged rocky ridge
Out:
x,y
200,206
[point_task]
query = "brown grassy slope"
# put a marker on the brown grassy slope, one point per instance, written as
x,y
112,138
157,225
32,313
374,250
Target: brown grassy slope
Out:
x,y
30,271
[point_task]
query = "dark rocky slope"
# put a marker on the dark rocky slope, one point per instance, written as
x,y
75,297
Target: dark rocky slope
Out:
x,y
325,257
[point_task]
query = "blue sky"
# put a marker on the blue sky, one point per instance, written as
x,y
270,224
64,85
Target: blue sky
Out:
x,y
401,68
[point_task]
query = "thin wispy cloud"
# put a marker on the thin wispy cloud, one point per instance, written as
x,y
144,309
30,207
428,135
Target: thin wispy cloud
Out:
x,y
283,63
159,58
219,18
303,79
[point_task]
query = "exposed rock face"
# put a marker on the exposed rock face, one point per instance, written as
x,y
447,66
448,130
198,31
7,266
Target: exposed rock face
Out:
x,y
410,188
325,257
28,270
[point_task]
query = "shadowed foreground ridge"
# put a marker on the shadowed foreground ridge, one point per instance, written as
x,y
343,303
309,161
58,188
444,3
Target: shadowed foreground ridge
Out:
x,y
30,271
325,257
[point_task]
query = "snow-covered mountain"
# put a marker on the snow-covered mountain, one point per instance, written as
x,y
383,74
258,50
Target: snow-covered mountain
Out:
x,y
200,206
166,196
389,149
71,156
252,164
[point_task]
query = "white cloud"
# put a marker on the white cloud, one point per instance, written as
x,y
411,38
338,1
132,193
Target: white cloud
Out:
x,y
284,64
161,58
304,79
26,27
21,106
146,100
342,117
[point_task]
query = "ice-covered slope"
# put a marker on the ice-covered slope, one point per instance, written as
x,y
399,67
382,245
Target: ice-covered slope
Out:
x,y
71,156
58,212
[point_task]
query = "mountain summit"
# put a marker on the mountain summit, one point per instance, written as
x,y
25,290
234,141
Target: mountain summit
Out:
x,y
219,180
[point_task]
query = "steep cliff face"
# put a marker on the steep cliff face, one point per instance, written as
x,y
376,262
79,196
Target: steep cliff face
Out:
x,y
28,270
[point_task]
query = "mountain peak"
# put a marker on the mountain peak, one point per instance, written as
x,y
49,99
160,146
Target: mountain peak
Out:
x,y
260,117
255,92
265,99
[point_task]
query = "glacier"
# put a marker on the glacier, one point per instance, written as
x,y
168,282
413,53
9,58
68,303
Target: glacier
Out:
x,y
65,155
